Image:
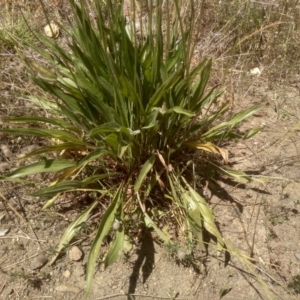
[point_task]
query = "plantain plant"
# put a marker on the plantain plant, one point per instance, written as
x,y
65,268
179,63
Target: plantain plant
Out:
x,y
125,113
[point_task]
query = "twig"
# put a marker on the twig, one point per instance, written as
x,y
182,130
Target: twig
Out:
x,y
2,288
257,32
21,237
21,217
12,208
138,295
6,267
255,225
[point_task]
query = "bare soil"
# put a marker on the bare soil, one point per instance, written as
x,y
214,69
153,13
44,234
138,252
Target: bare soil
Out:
x,y
260,219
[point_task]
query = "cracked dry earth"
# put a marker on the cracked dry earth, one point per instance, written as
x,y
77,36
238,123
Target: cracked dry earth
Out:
x,y
261,219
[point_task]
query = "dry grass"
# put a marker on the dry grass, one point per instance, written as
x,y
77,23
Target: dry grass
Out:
x,y
239,35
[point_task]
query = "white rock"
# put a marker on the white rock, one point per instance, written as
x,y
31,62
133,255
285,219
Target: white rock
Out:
x,y
255,71
6,151
52,30
67,274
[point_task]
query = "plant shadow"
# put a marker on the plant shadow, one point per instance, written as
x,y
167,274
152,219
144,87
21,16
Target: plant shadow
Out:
x,y
144,262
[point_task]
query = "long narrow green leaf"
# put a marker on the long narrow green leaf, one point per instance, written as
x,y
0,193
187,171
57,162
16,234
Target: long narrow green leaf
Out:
x,y
103,229
143,173
252,132
65,186
151,224
240,175
53,148
235,120
43,103
69,185
200,207
194,218
72,231
47,133
161,91
116,247
57,122
44,166
180,110
202,83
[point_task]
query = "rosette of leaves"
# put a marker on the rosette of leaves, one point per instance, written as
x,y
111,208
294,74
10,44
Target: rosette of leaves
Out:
x,y
127,109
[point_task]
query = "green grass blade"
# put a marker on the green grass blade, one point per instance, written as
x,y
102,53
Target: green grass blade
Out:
x,y
51,202
163,89
200,207
57,122
44,166
182,111
46,133
235,120
65,186
240,176
202,82
151,224
252,132
117,246
244,114
70,185
53,148
43,103
103,229
72,231
225,129
144,171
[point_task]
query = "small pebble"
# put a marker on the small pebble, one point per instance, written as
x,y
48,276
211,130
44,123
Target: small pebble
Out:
x,y
52,30
67,274
6,151
297,255
181,255
38,261
75,253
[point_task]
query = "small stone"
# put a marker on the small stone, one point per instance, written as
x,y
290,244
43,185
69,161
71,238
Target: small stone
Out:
x,y
6,151
52,30
67,274
297,255
4,232
39,261
75,253
255,71
181,255
67,288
